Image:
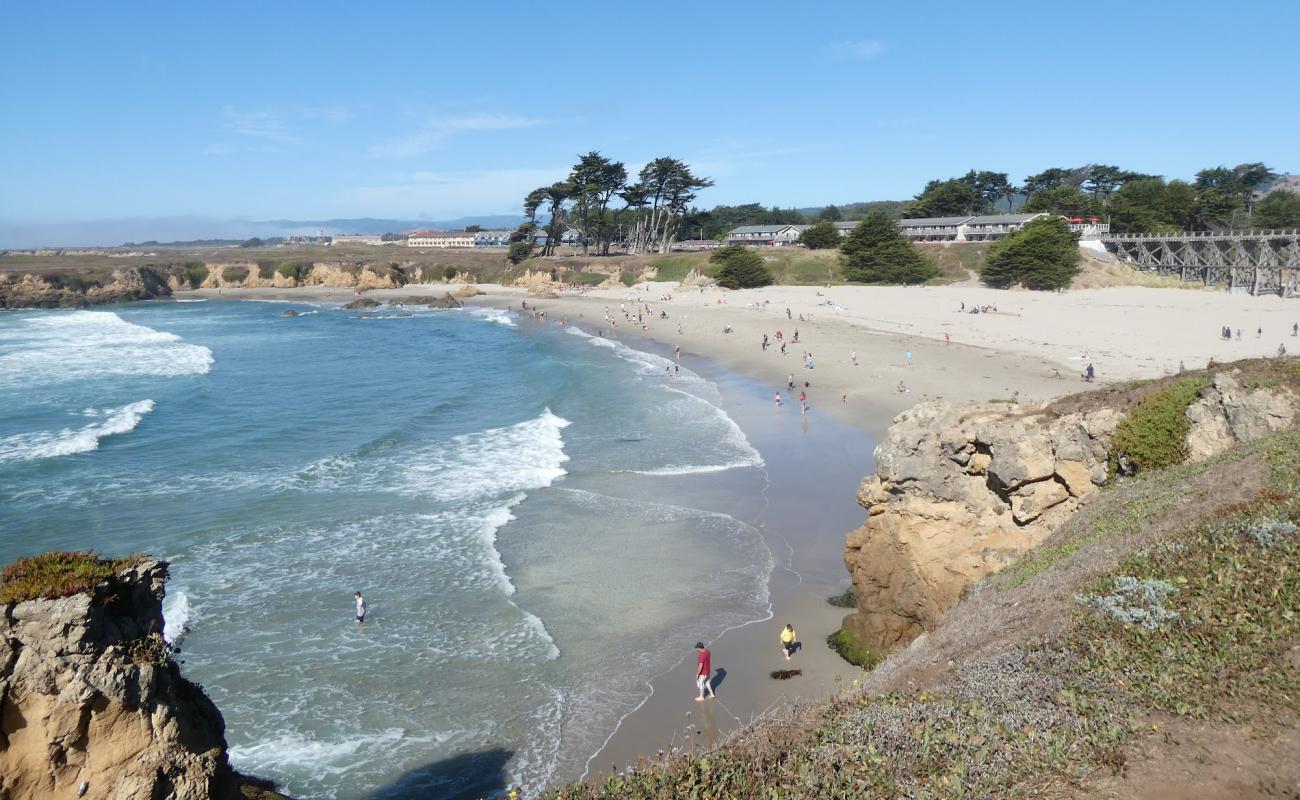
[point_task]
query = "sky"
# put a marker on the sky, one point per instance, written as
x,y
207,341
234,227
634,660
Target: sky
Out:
x,y
139,113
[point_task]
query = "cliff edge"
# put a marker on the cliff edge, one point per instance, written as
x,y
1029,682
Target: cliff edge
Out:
x,y
91,703
962,491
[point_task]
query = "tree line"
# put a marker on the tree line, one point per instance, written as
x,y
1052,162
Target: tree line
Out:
x,y
1133,202
653,206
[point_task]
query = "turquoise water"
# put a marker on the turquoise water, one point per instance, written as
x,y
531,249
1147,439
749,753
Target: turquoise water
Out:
x,y
522,505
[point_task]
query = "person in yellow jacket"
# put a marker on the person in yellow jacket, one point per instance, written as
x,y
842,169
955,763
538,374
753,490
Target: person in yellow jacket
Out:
x,y
789,641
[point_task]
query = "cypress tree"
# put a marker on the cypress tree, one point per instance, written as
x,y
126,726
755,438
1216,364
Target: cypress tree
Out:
x,y
877,252
740,267
1044,254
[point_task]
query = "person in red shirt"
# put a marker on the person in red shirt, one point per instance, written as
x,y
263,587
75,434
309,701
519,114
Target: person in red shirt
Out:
x,y
703,670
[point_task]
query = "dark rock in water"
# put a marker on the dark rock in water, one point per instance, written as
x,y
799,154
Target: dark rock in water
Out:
x,y
446,301
290,313
362,302
785,674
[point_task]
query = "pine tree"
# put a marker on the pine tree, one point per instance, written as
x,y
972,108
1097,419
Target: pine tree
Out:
x,y
877,252
820,236
740,267
1044,254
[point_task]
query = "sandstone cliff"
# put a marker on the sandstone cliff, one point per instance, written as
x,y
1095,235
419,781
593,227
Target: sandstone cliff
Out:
x,y
91,704
960,492
56,290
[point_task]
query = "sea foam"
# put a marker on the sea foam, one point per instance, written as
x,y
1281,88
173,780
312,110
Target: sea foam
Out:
x,y
57,347
51,444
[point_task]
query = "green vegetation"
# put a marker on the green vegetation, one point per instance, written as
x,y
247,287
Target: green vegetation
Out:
x,y
627,277
194,273
821,236
1154,434
1044,254
447,272
585,278
295,270
519,252
266,269
58,574
676,267
844,599
150,649
877,252
850,649
1280,209
253,242
740,268
234,274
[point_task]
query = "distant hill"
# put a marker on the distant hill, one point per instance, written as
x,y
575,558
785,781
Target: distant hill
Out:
x,y
363,225
851,211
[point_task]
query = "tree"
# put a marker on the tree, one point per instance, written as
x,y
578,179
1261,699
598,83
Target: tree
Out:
x,y
1278,209
555,194
830,214
821,236
989,187
1103,179
1049,178
593,181
253,242
950,198
1044,254
519,252
1063,199
877,252
740,267
473,228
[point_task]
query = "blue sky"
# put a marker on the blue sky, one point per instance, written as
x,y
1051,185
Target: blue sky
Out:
x,y
268,110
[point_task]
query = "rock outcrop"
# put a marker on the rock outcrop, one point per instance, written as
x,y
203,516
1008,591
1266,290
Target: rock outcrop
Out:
x,y
54,290
362,302
960,492
1227,414
91,704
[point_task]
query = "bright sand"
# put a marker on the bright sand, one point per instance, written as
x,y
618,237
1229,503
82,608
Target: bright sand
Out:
x,y
814,464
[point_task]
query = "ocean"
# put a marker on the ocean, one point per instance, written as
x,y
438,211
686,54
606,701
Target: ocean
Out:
x,y
540,521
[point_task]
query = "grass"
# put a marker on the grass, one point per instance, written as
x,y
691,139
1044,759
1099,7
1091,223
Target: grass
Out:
x,y
1154,434
585,278
59,574
677,267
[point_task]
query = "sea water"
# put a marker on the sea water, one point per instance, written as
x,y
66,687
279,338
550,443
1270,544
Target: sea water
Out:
x,y
526,508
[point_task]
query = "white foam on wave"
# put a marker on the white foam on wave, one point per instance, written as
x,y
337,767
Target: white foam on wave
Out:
x,y
517,458
497,315
50,444
690,385
93,344
323,755
176,616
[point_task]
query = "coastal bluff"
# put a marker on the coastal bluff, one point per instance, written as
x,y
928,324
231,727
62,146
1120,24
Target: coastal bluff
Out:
x,y
91,703
962,491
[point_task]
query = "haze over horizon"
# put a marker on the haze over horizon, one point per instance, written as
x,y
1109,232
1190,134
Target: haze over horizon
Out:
x,y
164,121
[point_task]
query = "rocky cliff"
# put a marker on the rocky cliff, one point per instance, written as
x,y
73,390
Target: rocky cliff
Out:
x,y
91,704
961,491
56,290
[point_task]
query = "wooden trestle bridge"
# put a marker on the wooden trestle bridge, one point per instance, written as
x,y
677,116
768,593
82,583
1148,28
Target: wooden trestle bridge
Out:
x,y
1259,262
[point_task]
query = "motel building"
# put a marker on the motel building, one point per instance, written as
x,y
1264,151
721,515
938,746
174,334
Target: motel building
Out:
x,y
922,230
367,239
440,240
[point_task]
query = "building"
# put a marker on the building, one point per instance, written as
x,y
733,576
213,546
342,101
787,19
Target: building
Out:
x,y
440,239
365,239
769,235
493,238
994,226
570,238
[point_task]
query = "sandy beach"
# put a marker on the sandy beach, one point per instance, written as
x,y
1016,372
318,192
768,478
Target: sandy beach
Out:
x,y
1033,347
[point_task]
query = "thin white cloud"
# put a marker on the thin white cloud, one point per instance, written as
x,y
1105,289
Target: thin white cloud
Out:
x,y
271,130
437,130
859,50
448,194
266,126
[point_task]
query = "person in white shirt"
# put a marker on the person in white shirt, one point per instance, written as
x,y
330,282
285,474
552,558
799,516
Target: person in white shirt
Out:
x,y
361,607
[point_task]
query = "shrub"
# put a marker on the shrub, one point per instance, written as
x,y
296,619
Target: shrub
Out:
x,y
821,236
519,252
449,272
1044,254
58,574
850,649
296,270
876,252
1154,433
674,268
627,277
740,268
234,274
585,278
844,599
266,270
194,273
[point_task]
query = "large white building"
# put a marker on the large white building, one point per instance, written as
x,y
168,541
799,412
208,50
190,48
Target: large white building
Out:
x,y
440,239
926,229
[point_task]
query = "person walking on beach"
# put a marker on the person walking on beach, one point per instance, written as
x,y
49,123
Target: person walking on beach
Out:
x,y
703,671
1089,373
361,607
788,638
909,358
778,399
854,357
